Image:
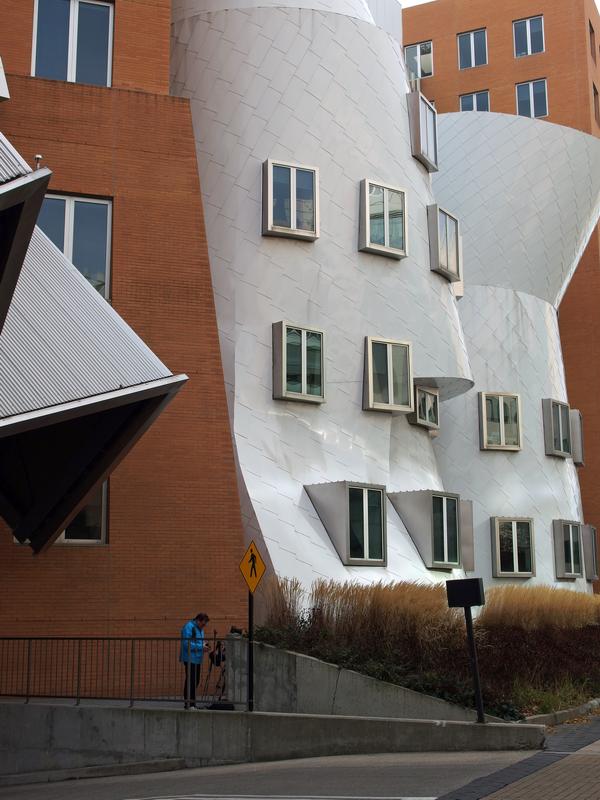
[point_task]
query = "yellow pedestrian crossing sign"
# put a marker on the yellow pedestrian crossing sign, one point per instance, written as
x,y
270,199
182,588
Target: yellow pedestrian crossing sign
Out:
x,y
252,567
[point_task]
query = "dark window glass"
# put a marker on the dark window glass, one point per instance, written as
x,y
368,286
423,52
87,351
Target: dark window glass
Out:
x,y
52,41
506,546
305,200
411,55
592,41
87,525
567,549
294,360
452,529
375,524
565,429
523,100
314,384
466,103
357,528
596,105
464,50
521,38
51,220
396,219
93,39
576,549
422,406
536,32
376,221
480,48
381,392
90,226
483,101
524,546
438,529
540,106
281,197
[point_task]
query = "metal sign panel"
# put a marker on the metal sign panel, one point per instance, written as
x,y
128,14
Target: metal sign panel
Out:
x,y
252,567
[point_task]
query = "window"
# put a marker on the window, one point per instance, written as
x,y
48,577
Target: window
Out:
x,y
512,547
419,60
81,228
290,200
557,428
532,99
592,41
382,220
590,552
73,41
388,376
423,130
596,104
365,524
426,412
571,545
444,243
90,525
472,49
298,367
477,101
528,36
446,547
499,421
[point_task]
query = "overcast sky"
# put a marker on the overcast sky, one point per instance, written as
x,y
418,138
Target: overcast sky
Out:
x,y
407,3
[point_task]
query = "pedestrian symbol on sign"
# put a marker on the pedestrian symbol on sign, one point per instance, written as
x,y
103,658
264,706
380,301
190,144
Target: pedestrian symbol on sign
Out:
x,y
252,562
252,567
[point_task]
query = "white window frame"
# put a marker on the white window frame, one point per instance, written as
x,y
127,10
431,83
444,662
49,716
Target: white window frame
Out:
x,y
72,45
369,403
471,35
483,421
280,390
293,232
579,527
365,245
432,397
514,573
530,85
446,564
70,201
474,96
527,20
366,560
418,45
103,540
548,416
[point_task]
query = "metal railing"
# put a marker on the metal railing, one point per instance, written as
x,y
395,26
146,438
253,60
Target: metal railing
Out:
x,y
109,668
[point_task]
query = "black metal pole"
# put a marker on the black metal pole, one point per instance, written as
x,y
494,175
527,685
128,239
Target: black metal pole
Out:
x,y
474,664
250,651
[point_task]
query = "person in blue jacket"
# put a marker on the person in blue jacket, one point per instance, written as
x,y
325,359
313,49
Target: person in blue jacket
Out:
x,y
191,654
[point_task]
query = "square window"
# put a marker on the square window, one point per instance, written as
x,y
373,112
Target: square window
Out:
x,y
532,100
426,413
528,36
445,531
298,363
444,243
419,60
557,428
382,228
90,525
81,228
73,41
388,376
499,421
472,49
365,524
512,547
290,200
423,130
567,548
476,101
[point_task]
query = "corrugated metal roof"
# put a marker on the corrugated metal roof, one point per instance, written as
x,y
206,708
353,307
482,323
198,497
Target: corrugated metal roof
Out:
x,y
11,164
62,341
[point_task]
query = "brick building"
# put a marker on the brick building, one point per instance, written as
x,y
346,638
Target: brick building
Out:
x,y
89,86
535,59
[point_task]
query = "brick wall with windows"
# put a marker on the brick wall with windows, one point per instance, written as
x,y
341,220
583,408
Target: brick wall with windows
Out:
x,y
174,525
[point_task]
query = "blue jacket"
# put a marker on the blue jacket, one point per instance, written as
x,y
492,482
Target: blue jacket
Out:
x,y
192,643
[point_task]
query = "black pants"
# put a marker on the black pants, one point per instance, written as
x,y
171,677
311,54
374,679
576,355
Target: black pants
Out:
x,y
192,679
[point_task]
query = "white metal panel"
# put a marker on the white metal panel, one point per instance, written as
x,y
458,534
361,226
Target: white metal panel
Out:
x,y
12,165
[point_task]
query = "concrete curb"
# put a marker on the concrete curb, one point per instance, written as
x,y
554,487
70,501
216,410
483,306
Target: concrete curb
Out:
x,y
105,771
558,717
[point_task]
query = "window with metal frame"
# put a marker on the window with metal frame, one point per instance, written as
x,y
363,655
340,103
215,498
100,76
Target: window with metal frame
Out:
x,y
427,401
532,98
382,228
298,363
290,200
592,41
476,101
557,428
428,117
366,524
571,537
388,376
446,533
73,41
513,547
81,228
596,104
419,60
500,421
528,35
472,49
448,242
91,524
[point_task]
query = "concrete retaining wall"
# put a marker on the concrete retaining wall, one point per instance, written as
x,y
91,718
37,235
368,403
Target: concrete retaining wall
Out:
x,y
37,737
297,684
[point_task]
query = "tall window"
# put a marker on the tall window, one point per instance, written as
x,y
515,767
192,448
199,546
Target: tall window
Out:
x,y
557,428
81,228
366,524
388,378
448,242
500,421
472,49
383,220
572,548
596,104
532,99
428,131
513,541
298,368
477,101
427,402
290,200
419,60
89,526
445,531
592,41
528,36
73,41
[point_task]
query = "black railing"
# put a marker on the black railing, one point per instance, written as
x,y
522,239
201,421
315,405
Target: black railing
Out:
x,y
110,668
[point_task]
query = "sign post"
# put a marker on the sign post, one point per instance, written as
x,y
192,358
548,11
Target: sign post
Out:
x,y
466,593
253,568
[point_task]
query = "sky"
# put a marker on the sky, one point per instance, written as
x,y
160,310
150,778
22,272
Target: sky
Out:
x,y
407,3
